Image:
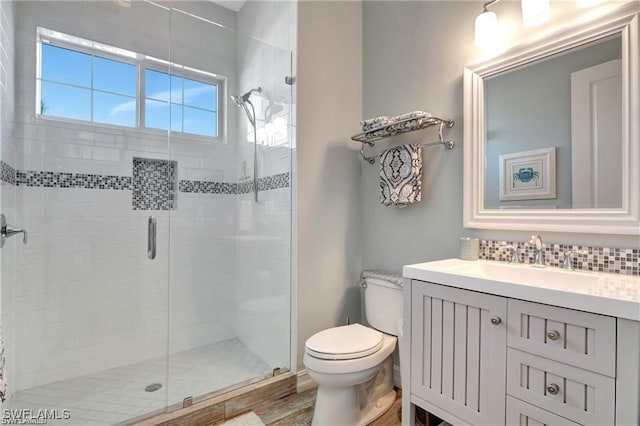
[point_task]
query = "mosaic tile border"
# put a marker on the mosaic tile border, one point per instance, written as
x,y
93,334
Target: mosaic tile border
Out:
x,y
598,259
207,187
71,180
266,183
7,173
46,179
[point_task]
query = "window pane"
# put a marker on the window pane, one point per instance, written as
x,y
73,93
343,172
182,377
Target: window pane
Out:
x,y
65,101
156,115
65,66
200,95
200,122
114,76
176,90
176,118
156,85
114,109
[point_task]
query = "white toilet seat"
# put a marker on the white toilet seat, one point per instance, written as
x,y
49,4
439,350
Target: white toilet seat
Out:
x,y
343,343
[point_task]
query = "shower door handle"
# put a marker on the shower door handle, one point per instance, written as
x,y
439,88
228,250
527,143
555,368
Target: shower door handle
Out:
x,y
152,228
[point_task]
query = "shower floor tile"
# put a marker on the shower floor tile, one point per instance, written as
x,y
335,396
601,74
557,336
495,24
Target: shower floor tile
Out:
x,y
116,395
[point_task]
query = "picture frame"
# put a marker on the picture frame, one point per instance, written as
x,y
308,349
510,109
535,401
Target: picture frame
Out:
x,y
528,175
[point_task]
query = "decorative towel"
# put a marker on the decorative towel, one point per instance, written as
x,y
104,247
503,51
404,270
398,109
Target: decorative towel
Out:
x,y
391,277
401,175
412,114
372,123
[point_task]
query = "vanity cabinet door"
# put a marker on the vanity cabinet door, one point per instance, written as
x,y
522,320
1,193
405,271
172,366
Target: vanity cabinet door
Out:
x,y
458,352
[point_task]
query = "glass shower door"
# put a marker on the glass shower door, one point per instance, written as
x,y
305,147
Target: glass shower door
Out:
x,y
229,304
84,305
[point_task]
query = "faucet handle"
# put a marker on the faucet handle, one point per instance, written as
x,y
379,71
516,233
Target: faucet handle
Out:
x,y
566,260
536,241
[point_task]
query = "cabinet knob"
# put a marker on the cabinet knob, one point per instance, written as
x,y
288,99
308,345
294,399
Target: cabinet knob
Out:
x,y
553,389
496,320
553,335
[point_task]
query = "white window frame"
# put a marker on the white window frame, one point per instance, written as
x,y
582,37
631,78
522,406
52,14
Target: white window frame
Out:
x,y
142,63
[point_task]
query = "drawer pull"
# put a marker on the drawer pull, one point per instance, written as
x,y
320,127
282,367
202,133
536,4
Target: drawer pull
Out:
x,y
553,335
553,389
496,320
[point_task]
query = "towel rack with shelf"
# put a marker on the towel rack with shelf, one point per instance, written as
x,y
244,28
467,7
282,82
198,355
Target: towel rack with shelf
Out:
x,y
370,137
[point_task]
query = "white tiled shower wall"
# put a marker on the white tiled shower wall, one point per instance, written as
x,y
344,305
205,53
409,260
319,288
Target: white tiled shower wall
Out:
x,y
264,228
7,154
87,298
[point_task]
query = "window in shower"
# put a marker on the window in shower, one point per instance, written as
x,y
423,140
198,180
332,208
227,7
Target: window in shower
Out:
x,y
88,87
82,80
180,104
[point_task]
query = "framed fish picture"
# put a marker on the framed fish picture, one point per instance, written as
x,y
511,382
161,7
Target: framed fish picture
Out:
x,y
528,175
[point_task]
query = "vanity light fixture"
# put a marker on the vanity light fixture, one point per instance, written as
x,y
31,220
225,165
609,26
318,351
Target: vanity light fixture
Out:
x,y
535,12
487,28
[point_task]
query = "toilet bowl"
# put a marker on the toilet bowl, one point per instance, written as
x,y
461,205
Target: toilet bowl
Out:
x,y
352,365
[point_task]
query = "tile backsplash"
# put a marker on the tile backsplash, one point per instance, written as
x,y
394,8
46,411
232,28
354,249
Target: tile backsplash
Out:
x,y
599,259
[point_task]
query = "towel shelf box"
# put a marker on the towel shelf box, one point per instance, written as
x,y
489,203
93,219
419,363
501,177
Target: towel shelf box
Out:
x,y
370,137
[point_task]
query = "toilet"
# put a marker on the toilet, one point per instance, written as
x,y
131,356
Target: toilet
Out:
x,y
352,364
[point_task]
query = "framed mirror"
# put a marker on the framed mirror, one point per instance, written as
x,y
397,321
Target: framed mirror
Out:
x,y
551,132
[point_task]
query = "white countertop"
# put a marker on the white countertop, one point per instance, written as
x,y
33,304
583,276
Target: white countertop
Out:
x,y
610,294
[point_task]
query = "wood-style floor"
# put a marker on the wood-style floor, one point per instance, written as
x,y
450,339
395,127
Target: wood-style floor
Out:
x,y
297,410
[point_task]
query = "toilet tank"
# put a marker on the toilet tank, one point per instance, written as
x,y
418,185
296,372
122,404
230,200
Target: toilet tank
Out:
x,y
383,302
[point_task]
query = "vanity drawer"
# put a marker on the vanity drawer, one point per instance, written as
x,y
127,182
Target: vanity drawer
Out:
x,y
578,338
522,414
578,395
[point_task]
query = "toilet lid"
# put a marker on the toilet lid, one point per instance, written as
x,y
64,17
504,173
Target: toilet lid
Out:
x,y
346,342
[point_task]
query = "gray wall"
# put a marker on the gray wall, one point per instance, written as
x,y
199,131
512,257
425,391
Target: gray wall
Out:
x,y
329,204
414,54
518,102
415,66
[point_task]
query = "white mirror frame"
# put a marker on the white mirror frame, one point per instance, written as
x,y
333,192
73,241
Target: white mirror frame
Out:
x,y
625,220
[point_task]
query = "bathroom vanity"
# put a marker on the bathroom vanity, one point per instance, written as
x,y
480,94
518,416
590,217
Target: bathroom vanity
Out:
x,y
491,343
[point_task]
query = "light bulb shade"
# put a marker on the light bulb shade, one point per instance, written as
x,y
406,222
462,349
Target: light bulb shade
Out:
x,y
486,33
535,12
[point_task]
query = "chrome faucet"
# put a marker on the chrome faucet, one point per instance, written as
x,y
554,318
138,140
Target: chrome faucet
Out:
x,y
538,260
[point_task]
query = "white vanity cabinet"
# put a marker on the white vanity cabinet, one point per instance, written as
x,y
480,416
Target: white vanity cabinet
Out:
x,y
458,353
480,354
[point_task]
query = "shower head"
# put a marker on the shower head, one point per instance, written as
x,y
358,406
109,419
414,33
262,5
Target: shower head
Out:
x,y
237,100
240,100
243,100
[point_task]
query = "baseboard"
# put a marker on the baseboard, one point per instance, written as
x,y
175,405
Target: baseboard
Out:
x,y
397,382
304,382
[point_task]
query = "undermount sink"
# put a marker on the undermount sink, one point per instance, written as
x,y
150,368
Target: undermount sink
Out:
x,y
525,274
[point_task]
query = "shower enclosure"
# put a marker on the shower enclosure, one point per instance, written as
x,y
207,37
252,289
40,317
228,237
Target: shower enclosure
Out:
x,y
151,273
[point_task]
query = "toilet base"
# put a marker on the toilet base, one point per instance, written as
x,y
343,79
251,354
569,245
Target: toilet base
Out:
x,y
377,409
356,405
